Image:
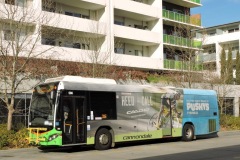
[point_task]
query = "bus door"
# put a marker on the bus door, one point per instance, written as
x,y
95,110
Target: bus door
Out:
x,y
74,121
166,119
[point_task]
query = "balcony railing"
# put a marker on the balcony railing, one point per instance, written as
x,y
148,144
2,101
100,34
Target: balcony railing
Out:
x,y
196,1
207,57
181,17
180,41
183,65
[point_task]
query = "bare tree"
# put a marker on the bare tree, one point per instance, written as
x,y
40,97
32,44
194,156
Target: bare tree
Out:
x,y
21,52
98,59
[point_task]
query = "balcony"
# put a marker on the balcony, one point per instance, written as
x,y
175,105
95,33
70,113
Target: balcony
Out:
x,y
137,61
87,26
186,3
181,42
135,10
182,65
87,4
137,36
174,16
196,1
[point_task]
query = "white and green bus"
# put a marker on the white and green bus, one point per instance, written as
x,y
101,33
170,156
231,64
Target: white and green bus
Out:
x,y
72,110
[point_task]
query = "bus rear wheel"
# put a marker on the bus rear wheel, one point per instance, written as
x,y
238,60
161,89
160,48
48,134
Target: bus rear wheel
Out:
x,y
103,139
188,132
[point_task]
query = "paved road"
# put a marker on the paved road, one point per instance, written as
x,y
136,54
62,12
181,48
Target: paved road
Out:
x,y
226,146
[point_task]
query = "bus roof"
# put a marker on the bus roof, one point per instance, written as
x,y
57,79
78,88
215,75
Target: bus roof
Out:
x,y
199,92
81,80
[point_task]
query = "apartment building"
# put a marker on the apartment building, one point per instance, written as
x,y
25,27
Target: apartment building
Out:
x,y
214,40
217,38
131,33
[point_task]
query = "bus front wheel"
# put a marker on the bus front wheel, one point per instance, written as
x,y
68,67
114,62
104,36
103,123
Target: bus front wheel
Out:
x,y
103,139
188,132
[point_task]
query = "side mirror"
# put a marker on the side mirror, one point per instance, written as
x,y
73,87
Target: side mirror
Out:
x,y
52,95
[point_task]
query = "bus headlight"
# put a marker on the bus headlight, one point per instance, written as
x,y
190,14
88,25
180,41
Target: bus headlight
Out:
x,y
52,137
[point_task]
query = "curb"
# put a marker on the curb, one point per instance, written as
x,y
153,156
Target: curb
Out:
x,y
227,133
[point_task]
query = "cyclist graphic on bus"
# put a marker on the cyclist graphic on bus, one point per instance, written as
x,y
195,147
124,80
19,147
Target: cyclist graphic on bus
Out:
x,y
170,112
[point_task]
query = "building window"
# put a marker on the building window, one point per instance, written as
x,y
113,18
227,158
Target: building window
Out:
x,y
76,15
141,1
12,2
138,26
13,36
20,3
233,30
230,30
68,44
77,45
85,16
68,13
119,23
85,46
138,53
49,41
119,50
48,6
226,105
9,35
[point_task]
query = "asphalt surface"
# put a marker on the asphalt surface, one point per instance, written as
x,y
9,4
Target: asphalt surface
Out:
x,y
226,146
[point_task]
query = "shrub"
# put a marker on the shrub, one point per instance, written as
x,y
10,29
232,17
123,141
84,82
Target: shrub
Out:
x,y
230,122
154,78
4,136
13,139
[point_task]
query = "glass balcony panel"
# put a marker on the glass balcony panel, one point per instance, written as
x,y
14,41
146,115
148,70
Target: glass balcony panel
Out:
x,y
181,65
181,17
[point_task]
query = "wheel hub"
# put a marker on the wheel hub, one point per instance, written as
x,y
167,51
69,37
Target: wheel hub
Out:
x,y
103,139
188,133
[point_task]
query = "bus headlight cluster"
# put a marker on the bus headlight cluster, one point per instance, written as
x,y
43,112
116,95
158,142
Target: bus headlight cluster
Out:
x,y
52,137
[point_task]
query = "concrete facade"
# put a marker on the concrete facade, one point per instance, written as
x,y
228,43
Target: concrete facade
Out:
x,y
217,38
130,32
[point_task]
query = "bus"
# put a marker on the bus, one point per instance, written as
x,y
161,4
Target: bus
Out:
x,y
73,110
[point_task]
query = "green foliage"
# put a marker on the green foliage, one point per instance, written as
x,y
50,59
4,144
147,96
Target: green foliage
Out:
x,y
223,64
4,136
154,78
229,67
13,139
229,122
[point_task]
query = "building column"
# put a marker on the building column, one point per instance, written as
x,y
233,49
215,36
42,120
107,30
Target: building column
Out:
x,y
236,107
218,59
109,21
158,28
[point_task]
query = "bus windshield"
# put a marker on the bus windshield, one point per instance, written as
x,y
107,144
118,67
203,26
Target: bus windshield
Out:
x,y
42,106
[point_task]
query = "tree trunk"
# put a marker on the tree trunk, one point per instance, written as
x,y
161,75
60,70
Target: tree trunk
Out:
x,y
10,117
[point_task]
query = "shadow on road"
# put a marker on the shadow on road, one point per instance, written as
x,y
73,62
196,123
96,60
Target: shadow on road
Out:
x,y
229,153
71,149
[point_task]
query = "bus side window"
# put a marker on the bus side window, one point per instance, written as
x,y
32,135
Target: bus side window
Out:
x,y
103,105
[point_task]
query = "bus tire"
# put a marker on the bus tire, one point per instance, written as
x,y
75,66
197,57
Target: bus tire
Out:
x,y
103,139
188,133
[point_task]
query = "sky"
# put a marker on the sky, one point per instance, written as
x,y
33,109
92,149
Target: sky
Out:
x,y
217,12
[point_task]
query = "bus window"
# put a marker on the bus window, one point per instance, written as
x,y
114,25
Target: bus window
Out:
x,y
103,105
